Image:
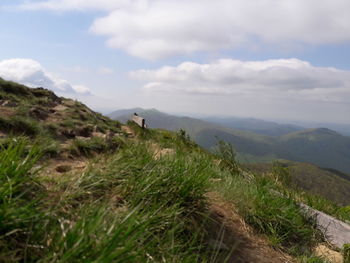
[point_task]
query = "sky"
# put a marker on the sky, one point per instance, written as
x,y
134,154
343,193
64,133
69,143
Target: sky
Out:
x,y
270,59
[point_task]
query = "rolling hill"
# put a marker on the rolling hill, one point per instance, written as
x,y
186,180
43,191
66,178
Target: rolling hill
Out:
x,y
321,146
312,179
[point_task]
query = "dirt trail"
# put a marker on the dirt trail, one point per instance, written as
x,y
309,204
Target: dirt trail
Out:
x,y
228,231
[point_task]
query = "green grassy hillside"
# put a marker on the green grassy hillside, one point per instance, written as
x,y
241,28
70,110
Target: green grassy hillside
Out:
x,y
322,147
328,183
143,195
63,126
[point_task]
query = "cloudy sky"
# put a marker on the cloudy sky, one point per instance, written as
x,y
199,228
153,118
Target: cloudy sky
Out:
x,y
271,59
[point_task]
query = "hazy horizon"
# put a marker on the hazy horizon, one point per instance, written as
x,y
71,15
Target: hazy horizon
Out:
x,y
342,128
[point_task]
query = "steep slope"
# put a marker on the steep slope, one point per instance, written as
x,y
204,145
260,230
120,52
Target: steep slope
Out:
x,y
63,125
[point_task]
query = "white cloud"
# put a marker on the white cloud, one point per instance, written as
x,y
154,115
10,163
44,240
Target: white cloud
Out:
x,y
269,79
31,73
81,89
154,29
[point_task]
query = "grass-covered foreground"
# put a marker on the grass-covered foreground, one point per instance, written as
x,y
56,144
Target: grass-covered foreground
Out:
x,y
130,209
136,206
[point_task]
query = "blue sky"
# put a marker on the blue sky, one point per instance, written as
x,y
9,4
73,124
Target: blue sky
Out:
x,y
269,59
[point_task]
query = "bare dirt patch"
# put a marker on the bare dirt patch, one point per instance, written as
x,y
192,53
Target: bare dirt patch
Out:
x,y
7,112
163,152
56,167
60,107
129,132
159,152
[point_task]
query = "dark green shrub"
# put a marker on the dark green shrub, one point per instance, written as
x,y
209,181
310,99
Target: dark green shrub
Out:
x,y
227,155
20,125
87,147
282,173
14,88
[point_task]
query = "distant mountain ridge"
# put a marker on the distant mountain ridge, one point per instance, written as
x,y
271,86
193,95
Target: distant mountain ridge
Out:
x,y
320,146
255,125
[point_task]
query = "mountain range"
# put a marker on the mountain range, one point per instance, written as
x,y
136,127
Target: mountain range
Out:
x,y
255,125
256,140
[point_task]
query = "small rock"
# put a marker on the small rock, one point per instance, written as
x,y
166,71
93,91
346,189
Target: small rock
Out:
x,y
7,103
98,134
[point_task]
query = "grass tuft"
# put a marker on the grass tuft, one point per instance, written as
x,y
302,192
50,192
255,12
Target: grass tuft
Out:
x,y
18,191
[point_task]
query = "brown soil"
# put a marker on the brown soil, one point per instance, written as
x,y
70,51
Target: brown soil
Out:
x,y
129,132
60,107
55,167
228,231
57,113
163,152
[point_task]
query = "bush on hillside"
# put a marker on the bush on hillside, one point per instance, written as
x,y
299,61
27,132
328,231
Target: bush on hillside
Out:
x,y
13,88
227,156
88,147
20,125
